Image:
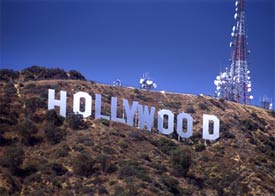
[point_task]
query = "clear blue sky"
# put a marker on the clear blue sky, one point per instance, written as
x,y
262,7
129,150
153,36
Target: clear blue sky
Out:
x,y
183,44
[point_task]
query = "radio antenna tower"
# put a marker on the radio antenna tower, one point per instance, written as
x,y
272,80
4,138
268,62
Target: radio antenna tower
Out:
x,y
234,84
266,103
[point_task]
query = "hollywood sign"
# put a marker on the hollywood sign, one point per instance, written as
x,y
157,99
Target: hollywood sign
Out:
x,y
144,113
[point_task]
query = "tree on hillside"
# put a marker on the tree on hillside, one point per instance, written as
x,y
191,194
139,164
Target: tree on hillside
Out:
x,y
75,75
56,73
42,73
76,121
8,75
34,73
52,117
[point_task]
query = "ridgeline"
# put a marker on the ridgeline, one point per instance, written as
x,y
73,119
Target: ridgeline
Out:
x,y
42,153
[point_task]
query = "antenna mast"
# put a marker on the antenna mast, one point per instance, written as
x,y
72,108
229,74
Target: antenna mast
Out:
x,y
234,84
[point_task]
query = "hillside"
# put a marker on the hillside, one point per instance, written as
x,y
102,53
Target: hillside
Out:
x,y
41,153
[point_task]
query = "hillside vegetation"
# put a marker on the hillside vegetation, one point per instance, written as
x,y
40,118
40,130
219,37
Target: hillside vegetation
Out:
x,y
42,153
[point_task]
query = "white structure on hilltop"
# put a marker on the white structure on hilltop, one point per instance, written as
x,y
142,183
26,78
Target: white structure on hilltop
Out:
x,y
234,84
146,82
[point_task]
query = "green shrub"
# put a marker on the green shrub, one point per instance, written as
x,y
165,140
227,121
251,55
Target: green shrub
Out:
x,y
197,135
224,126
199,147
109,150
55,73
112,168
218,104
62,151
225,130
27,130
8,115
78,148
248,125
58,169
159,167
13,158
190,109
132,168
105,122
29,167
10,190
33,73
181,161
84,164
123,145
203,106
227,134
102,191
35,177
75,121
75,75
145,156
8,75
54,134
9,89
52,117
171,184
131,188
137,91
33,103
136,135
4,128
166,145
104,162
222,100
41,73
86,141
229,179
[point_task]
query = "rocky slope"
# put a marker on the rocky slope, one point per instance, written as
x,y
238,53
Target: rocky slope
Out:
x,y
42,153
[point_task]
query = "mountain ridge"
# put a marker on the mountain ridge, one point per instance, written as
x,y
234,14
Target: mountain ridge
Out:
x,y
43,153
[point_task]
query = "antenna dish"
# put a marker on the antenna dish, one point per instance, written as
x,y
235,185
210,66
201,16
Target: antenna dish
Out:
x,y
236,15
236,3
147,83
251,97
224,75
233,28
117,82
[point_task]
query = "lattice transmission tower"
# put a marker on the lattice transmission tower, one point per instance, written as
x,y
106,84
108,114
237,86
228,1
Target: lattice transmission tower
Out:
x,y
234,84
